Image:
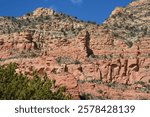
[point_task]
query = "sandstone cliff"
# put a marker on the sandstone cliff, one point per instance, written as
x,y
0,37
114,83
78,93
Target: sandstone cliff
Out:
x,y
110,61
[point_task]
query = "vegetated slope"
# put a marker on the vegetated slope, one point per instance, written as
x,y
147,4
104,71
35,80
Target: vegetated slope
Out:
x,y
16,86
110,61
45,21
132,22
8,25
38,29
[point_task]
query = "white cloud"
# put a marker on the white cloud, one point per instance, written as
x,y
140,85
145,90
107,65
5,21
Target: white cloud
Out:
x,y
76,1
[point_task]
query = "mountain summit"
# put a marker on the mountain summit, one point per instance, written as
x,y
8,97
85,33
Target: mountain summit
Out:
x,y
131,22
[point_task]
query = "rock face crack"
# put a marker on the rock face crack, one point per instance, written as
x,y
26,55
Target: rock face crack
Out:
x,y
84,42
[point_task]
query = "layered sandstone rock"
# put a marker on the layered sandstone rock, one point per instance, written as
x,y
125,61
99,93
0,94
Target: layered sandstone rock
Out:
x,y
111,61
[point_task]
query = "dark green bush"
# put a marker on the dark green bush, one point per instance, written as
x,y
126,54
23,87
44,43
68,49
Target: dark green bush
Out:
x,y
14,86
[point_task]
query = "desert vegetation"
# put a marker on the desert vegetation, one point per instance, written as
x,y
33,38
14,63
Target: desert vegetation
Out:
x,y
14,86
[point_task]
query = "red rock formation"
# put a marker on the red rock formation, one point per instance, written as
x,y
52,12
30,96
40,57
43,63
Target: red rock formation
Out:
x,y
96,61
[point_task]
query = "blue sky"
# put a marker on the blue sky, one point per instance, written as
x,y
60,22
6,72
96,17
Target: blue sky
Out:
x,y
88,10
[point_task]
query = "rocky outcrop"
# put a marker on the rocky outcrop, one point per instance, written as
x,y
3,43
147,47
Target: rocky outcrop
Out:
x,y
43,11
111,61
84,43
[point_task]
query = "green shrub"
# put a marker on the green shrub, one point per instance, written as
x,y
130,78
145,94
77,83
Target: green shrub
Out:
x,y
86,96
14,86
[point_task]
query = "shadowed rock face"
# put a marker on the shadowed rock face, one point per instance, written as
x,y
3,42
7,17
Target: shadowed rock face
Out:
x,y
111,61
84,42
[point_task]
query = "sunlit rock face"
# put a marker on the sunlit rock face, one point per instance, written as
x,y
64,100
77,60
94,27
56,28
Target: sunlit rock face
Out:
x,y
108,61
